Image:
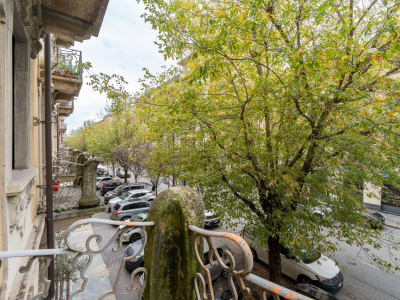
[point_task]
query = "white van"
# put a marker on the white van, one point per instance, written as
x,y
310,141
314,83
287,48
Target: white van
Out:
x,y
316,269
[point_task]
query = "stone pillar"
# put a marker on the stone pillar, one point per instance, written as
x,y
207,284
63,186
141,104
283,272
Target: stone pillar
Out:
x,y
169,254
76,154
89,197
79,169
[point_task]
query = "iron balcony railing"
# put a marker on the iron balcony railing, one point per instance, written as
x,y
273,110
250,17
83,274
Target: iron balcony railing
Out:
x,y
203,286
65,103
67,62
63,127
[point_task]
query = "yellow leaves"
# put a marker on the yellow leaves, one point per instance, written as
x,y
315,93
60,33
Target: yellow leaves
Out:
x,y
242,17
397,108
241,129
268,15
390,114
387,145
344,57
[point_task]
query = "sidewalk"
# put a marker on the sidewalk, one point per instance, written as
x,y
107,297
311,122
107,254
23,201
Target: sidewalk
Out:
x,y
97,272
390,219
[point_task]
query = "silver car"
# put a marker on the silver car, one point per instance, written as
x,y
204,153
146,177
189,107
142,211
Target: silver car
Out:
x,y
133,195
124,210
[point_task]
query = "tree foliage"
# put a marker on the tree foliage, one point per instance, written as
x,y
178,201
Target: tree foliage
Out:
x,y
280,108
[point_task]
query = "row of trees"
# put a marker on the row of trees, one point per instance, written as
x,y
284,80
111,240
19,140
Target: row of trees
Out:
x,y
281,107
119,140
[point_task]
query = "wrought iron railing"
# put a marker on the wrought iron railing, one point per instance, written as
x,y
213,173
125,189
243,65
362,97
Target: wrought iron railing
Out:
x,y
65,103
85,251
67,62
63,127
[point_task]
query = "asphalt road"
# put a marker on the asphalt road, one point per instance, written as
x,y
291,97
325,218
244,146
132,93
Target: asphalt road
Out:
x,y
362,279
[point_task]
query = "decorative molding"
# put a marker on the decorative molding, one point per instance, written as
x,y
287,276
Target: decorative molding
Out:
x,y
2,12
31,15
18,204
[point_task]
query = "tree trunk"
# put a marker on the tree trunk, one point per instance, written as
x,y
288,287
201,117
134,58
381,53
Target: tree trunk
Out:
x,y
274,259
125,175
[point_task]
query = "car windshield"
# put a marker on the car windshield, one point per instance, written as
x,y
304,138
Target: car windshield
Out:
x,y
118,188
124,196
309,257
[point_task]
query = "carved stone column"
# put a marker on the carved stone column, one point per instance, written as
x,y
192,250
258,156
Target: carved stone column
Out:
x,y
82,159
89,197
76,154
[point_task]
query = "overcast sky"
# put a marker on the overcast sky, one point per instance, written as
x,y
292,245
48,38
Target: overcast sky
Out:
x,y
125,46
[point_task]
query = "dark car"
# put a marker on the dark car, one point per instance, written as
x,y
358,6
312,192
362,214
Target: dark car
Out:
x,y
376,220
215,270
138,261
109,186
310,291
122,189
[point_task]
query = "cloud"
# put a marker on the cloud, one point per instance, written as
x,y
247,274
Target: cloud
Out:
x,y
125,46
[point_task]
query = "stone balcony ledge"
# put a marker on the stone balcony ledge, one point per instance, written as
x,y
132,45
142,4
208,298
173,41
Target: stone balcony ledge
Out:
x,y
20,180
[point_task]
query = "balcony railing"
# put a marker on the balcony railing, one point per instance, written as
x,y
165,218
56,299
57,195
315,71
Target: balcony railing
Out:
x,y
63,127
65,103
66,62
83,254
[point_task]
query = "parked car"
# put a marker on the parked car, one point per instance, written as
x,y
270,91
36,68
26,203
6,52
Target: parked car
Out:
x,y
314,268
211,218
109,186
376,220
310,291
124,210
121,173
133,195
215,271
122,189
134,234
100,181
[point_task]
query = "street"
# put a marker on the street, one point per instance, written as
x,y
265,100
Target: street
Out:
x,y
362,280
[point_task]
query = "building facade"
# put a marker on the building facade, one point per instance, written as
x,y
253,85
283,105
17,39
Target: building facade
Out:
x,y
22,149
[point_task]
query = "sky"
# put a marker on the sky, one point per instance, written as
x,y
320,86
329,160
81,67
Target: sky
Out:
x,y
125,46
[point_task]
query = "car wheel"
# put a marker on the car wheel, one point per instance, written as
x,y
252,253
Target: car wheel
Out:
x,y
254,253
125,219
135,237
303,279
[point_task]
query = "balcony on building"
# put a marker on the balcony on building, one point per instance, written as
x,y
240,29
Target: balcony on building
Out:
x,y
66,73
66,108
63,128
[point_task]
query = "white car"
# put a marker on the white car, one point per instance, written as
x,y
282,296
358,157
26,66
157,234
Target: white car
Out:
x,y
101,180
316,269
134,234
211,218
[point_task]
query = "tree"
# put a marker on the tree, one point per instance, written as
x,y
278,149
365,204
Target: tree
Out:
x,y
287,104
78,138
281,107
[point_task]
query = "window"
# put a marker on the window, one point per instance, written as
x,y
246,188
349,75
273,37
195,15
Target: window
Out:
x,y
21,120
135,205
138,195
128,207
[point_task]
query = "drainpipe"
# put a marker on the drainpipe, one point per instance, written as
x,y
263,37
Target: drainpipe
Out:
x,y
48,154
58,133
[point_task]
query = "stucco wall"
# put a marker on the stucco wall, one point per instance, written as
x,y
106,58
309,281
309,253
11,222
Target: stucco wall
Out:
x,y
34,131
